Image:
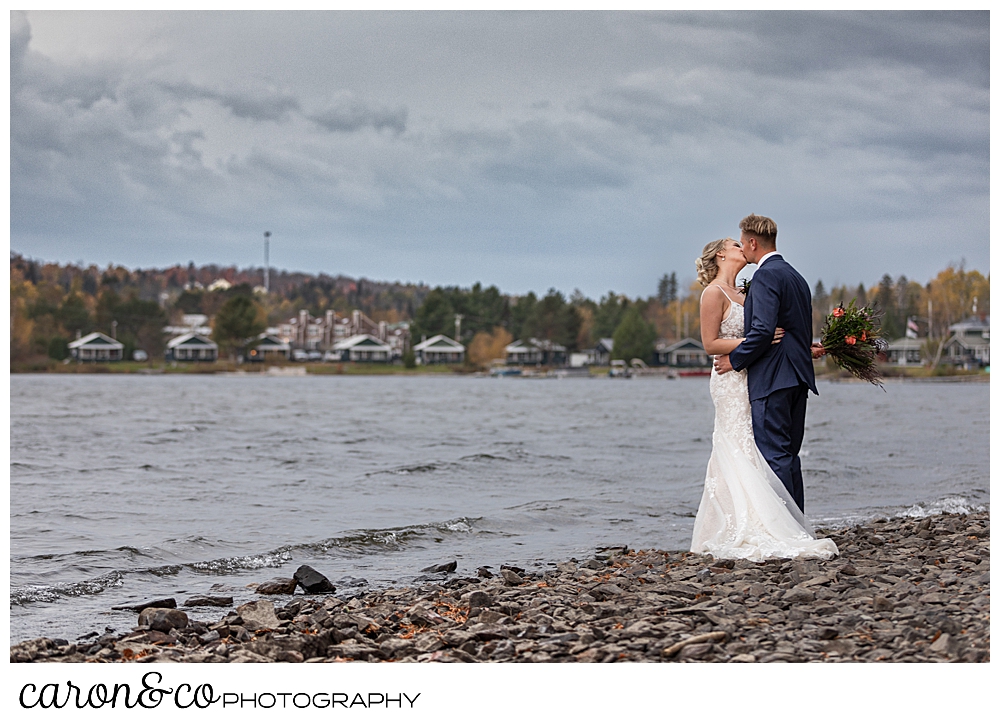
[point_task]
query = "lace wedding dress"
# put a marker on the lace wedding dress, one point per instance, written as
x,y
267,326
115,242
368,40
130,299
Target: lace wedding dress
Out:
x,y
745,511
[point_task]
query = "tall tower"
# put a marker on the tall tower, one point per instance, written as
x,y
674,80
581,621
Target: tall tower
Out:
x,y
267,262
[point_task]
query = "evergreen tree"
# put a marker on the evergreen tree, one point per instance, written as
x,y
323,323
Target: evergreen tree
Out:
x,y
667,289
609,315
553,319
520,312
239,319
435,316
634,338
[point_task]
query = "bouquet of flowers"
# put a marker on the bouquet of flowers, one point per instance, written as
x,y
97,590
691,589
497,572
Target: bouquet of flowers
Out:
x,y
852,338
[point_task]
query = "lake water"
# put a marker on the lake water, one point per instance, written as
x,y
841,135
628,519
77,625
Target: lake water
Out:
x,y
125,488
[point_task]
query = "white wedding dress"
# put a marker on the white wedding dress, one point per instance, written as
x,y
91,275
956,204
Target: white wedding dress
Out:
x,y
745,511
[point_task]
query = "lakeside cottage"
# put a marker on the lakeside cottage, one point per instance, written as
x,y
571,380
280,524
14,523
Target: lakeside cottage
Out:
x,y
96,347
536,351
267,346
363,348
192,347
439,349
687,353
969,345
905,352
602,352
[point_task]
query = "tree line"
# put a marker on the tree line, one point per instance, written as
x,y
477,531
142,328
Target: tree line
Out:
x,y
51,302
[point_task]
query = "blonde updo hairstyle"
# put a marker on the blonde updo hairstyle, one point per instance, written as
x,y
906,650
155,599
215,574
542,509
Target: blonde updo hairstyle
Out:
x,y
706,264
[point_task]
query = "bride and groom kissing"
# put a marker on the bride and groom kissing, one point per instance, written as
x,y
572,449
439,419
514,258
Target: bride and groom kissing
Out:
x,y
753,500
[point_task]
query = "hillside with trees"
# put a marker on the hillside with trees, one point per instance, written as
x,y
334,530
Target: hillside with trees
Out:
x,y
52,303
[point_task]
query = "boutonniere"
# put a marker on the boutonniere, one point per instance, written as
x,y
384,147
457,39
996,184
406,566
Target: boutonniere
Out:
x,y
745,286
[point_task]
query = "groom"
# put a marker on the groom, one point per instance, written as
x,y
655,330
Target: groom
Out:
x,y
779,376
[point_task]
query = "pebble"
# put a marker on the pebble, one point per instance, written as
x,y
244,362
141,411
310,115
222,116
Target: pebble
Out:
x,y
903,590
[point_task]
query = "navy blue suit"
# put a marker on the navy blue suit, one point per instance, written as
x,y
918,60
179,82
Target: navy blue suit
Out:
x,y
779,376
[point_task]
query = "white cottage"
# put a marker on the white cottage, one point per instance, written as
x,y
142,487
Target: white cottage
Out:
x,y
267,346
969,345
439,349
96,347
192,347
363,348
687,352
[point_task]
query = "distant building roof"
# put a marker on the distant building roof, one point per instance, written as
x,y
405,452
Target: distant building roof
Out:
x,y
439,343
96,340
192,340
905,343
532,344
266,342
361,340
685,343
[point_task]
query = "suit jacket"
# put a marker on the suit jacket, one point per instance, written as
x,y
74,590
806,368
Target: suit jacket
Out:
x,y
778,296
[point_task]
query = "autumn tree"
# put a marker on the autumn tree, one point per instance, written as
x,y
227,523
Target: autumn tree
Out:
x,y
487,346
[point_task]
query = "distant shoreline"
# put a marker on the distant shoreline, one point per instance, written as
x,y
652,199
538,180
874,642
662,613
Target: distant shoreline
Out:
x,y
354,369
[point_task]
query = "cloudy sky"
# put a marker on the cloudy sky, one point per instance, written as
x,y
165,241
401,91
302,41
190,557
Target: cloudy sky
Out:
x,y
528,150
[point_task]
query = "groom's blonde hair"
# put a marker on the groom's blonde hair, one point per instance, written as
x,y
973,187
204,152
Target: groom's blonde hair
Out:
x,y
762,228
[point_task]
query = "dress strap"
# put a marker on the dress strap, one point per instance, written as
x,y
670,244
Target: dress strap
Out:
x,y
720,289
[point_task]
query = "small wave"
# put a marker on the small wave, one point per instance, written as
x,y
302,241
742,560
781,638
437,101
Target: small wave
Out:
x,y
949,505
393,538
953,505
24,594
245,562
414,469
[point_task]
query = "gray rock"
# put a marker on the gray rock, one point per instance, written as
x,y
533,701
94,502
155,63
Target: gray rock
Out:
x,y
259,615
480,599
209,601
278,586
798,595
167,602
446,567
511,578
312,581
163,619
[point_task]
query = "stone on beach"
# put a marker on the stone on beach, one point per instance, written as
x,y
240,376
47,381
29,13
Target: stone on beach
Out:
x,y
168,602
217,601
258,615
446,567
163,619
312,581
278,586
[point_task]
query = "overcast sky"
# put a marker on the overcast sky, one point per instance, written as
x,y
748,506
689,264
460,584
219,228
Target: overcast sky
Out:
x,y
528,150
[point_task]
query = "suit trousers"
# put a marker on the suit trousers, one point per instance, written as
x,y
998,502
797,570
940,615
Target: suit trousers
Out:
x,y
779,422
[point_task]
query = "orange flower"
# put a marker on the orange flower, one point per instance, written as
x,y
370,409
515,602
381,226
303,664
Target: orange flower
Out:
x,y
851,340
838,312
864,335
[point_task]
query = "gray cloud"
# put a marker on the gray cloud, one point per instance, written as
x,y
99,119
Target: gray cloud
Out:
x,y
529,150
347,114
260,104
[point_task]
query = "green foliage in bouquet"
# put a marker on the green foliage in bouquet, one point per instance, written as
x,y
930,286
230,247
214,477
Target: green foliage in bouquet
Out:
x,y
852,338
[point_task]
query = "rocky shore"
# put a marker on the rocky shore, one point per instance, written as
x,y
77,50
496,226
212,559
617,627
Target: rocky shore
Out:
x,y
902,590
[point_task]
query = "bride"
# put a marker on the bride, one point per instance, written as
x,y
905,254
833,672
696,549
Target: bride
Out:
x,y
745,510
